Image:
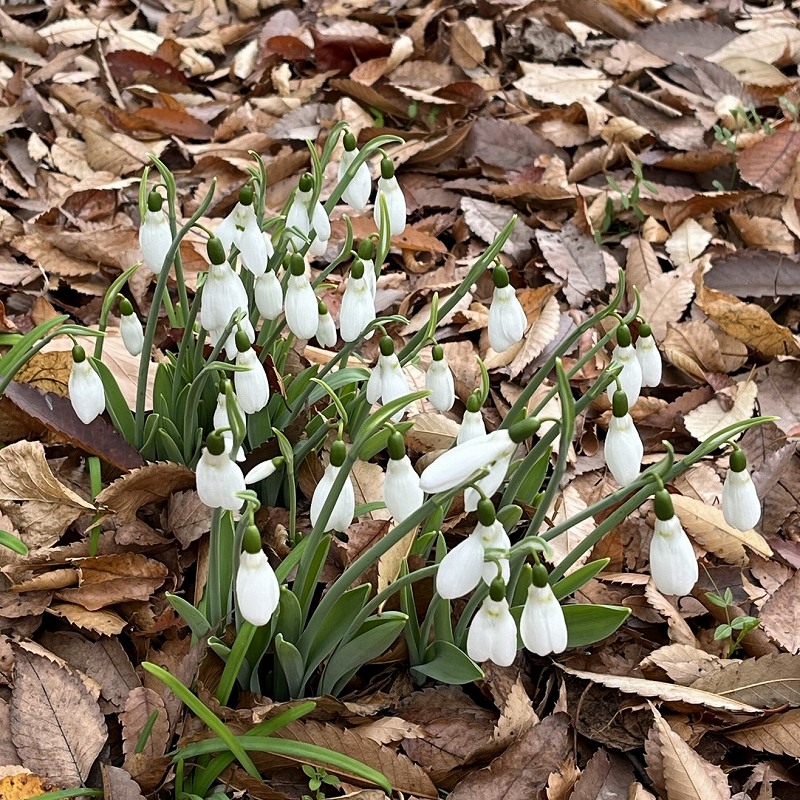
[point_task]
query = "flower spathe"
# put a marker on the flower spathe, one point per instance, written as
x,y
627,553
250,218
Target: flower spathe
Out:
x,y
542,625
219,478
86,393
257,588
493,634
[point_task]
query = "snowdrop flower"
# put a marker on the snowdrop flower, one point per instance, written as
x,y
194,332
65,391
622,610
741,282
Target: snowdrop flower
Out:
x,y
542,626
228,415
673,566
401,491
269,295
230,343
366,252
257,588
390,191
155,237
439,381
252,387
264,470
322,228
740,503
298,217
631,376
472,424
648,356
326,327
462,568
493,633
387,381
300,306
493,451
219,478
223,292
623,447
241,228
130,328
86,393
356,193
507,320
345,507
358,305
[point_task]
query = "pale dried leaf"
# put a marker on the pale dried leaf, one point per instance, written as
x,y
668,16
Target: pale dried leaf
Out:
x,y
141,703
778,733
687,242
568,504
678,628
682,663
664,301
712,416
563,86
780,615
431,431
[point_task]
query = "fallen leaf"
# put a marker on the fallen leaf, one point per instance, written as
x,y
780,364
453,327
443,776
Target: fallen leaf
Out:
x,y
713,416
778,733
563,86
769,162
687,242
683,663
664,300
140,705
118,784
780,615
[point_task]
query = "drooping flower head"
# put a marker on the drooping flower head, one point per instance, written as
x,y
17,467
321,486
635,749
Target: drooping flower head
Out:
x,y
648,356
358,305
631,376
223,292
345,505
218,477
387,381
321,227
439,381
298,218
366,252
493,633
86,393
155,237
472,424
257,588
392,194
542,626
356,193
130,328
228,415
252,386
673,565
300,306
507,320
623,447
241,228
401,490
740,504
326,327
268,294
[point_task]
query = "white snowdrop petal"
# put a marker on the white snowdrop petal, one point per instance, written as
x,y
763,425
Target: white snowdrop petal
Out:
x,y
344,508
649,361
326,331
269,295
395,204
623,449
401,490
253,247
300,307
673,565
356,193
223,295
542,626
472,426
260,472
252,386
218,480
298,218
155,239
493,634
439,381
631,376
375,385
130,329
507,320
257,588
358,309
460,570
740,504
86,393
488,484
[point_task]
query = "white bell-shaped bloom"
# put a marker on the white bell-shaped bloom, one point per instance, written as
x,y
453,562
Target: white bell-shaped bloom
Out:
x,y
257,588
356,193
326,328
155,239
439,382
387,381
130,329
496,544
631,376
401,491
269,295
493,634
472,426
300,305
221,420
263,470
673,565
542,626
219,478
649,358
298,218
343,510
230,343
223,295
461,569
322,227
623,447
507,320
253,246
390,191
370,277
358,307
252,387
740,504
86,393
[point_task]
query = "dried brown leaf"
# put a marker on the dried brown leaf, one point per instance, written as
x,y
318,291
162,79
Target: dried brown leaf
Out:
x,y
697,348
687,242
118,784
140,704
187,517
679,630
606,775
780,615
682,663
550,83
778,733
664,300
104,622
707,419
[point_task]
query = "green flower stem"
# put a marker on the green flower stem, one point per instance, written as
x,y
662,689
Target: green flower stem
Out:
x,y
478,268
95,486
212,596
64,793
216,725
108,303
152,318
186,349
235,660
291,484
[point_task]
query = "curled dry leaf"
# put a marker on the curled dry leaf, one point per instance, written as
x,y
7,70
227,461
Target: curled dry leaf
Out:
x,y
779,734
682,663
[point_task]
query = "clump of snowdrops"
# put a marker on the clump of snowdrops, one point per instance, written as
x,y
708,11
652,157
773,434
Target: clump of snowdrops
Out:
x,y
215,408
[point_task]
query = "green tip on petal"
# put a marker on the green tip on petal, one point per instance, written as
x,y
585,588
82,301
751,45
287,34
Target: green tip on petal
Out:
x,y
437,352
474,403
524,429
357,270
539,575
366,249
246,195
215,250
125,307
251,539
215,444
619,403
349,142
154,201
78,354
242,341
297,264
386,345
338,453
396,446
486,512
623,335
662,503
497,589
500,277
645,329
738,460
306,183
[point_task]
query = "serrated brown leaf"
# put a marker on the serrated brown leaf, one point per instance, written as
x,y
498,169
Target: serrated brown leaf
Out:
x,y
140,704
104,622
402,773
683,664
780,615
664,301
778,733
187,517
641,264
696,348
679,630
57,726
606,775
755,273
118,784
769,163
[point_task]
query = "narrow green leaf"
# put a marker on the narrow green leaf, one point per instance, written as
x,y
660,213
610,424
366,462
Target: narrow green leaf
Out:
x,y
447,663
572,582
587,624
